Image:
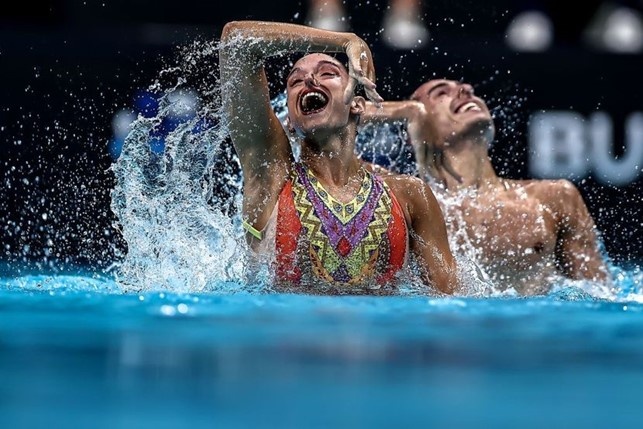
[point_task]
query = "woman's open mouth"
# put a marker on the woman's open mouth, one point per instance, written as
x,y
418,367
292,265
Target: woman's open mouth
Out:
x,y
312,102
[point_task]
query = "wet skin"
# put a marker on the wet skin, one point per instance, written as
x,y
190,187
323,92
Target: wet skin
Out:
x,y
323,113
524,232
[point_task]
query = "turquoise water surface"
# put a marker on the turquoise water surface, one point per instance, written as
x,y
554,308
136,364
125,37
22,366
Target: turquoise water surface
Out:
x,y
77,352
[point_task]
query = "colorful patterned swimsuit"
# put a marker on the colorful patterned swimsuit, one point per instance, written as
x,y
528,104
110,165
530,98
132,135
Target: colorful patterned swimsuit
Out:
x,y
363,241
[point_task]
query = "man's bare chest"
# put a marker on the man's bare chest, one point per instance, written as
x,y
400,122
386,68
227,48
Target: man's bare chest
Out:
x,y
510,227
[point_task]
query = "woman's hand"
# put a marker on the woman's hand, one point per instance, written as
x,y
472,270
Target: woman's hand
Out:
x,y
361,70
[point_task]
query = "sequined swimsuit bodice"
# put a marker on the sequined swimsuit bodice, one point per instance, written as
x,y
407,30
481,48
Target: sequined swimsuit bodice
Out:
x,y
364,240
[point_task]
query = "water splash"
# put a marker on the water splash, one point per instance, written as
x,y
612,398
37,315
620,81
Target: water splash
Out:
x,y
629,281
387,145
472,274
175,205
59,283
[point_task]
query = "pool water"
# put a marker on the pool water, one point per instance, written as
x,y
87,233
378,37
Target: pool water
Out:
x,y
75,352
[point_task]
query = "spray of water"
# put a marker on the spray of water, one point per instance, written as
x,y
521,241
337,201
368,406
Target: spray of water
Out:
x,y
175,206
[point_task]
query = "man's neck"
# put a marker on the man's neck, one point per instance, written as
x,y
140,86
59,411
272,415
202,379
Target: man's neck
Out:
x,y
470,159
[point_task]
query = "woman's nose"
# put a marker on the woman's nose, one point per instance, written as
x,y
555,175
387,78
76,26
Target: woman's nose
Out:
x,y
312,79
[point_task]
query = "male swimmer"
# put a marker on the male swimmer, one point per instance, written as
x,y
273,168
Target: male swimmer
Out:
x,y
525,232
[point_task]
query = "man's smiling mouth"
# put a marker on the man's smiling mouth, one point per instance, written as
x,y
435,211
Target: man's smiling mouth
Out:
x,y
467,107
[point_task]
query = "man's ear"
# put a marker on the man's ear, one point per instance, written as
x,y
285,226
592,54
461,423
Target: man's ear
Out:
x,y
358,105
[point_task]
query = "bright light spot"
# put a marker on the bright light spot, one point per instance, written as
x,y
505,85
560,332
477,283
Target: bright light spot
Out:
x,y
121,123
168,310
530,31
623,31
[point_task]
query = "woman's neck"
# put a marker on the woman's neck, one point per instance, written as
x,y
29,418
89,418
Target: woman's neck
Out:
x,y
332,159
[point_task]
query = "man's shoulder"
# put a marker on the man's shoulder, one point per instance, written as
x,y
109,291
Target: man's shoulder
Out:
x,y
560,195
546,188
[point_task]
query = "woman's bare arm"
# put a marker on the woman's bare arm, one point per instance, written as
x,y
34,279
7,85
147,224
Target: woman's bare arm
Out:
x,y
427,232
245,45
261,143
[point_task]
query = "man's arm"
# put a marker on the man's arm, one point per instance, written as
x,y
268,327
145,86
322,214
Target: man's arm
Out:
x,y
428,233
259,139
429,158
577,246
388,111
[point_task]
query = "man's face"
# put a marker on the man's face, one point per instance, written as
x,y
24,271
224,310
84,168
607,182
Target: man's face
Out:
x,y
454,111
315,94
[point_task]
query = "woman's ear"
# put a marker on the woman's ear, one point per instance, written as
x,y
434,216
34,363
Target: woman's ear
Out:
x,y
289,127
358,105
